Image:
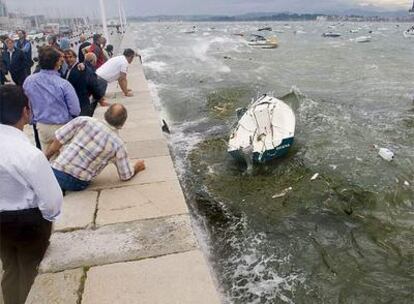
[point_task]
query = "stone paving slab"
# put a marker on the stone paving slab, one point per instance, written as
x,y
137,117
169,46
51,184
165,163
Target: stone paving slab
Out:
x,y
158,169
57,288
140,202
150,131
147,148
175,279
119,243
140,97
78,211
141,123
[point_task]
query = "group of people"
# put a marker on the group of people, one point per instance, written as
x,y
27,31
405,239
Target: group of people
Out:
x,y
72,146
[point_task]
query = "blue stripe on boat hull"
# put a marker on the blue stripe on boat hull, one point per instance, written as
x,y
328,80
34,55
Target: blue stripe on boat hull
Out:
x,y
277,152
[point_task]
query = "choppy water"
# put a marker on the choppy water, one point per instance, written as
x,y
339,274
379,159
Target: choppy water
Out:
x,y
348,236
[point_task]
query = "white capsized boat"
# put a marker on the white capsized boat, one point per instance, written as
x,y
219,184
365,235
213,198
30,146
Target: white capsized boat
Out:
x,y
265,131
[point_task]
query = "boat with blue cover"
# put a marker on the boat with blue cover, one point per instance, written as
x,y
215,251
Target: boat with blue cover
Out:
x,y
265,131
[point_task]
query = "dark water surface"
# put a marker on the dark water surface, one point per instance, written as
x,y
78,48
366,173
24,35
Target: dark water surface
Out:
x,y
276,236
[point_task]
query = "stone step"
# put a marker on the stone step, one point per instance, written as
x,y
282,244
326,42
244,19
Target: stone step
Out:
x,y
140,202
174,279
118,243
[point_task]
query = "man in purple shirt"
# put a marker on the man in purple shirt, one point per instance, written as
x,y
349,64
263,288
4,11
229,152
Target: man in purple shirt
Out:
x,y
53,100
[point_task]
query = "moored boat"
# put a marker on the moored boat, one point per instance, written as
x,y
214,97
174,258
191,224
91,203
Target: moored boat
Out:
x,y
331,35
263,42
409,33
363,39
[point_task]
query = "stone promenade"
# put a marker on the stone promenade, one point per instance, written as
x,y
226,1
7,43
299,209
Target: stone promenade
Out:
x,y
127,242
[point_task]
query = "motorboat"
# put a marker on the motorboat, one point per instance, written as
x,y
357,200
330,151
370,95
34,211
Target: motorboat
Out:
x,y
331,35
363,39
409,33
263,42
193,30
265,131
354,31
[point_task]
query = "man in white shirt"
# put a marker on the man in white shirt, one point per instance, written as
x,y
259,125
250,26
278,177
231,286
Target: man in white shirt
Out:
x,y
116,69
30,198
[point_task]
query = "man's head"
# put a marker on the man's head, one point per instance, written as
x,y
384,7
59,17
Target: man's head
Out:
x,y
14,106
50,58
116,115
9,44
129,55
21,34
70,57
91,58
96,38
51,40
82,38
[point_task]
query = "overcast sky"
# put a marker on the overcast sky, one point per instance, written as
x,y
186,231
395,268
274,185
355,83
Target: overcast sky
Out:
x,y
196,7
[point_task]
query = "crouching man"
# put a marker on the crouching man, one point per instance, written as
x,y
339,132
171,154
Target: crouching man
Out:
x,y
30,198
88,146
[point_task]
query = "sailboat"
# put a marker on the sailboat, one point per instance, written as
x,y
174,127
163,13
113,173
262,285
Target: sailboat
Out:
x,y
265,131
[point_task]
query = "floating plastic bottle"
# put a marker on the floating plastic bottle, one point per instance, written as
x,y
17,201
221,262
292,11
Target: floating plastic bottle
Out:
x,y
386,154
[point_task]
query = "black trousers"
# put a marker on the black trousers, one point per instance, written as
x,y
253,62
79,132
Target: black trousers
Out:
x,y
24,238
102,86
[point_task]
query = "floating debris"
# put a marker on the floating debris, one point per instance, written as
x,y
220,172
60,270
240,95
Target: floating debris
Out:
x,y
315,176
386,154
283,193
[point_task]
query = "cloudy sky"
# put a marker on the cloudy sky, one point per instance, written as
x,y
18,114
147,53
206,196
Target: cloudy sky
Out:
x,y
184,7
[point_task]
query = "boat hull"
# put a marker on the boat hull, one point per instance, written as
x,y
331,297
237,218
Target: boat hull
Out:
x,y
260,158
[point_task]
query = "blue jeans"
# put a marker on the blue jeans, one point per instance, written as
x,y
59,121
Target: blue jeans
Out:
x,y
69,183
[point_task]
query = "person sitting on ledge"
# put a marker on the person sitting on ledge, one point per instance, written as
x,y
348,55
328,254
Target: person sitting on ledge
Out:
x,y
88,146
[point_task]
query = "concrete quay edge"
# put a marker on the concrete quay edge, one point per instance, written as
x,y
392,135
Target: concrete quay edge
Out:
x,y
128,242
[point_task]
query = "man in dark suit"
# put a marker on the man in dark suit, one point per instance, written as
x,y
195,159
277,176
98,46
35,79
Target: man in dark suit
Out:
x,y
84,81
23,44
14,62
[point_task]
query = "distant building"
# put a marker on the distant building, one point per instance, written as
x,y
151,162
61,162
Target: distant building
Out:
x,y
4,16
3,9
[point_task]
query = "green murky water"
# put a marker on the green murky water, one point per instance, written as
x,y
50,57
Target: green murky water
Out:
x,y
275,235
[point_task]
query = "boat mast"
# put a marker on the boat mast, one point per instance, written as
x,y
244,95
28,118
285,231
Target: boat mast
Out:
x,y
121,21
103,17
124,16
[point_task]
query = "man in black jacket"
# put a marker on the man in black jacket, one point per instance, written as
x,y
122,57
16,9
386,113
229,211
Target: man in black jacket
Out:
x,y
14,62
84,81
23,44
